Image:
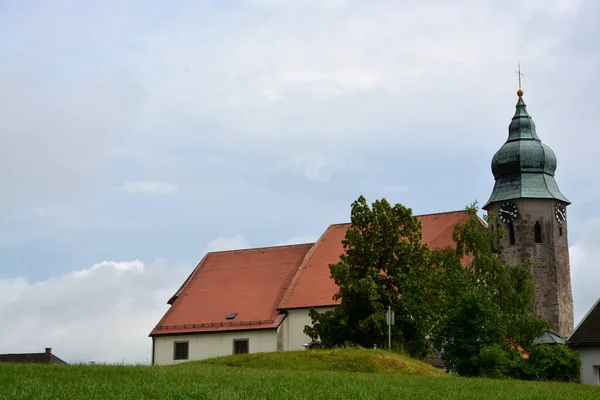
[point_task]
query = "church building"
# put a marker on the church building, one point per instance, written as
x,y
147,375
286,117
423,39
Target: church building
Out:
x,y
257,300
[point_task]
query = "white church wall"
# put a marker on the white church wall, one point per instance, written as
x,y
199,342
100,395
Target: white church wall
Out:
x,y
590,364
209,345
294,327
288,336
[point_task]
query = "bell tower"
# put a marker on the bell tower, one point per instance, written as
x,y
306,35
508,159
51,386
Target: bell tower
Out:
x,y
528,204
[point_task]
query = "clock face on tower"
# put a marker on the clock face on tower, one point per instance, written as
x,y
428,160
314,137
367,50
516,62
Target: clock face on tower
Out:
x,y
508,212
560,213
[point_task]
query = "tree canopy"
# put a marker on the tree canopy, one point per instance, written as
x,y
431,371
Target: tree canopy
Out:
x,y
385,264
489,309
462,299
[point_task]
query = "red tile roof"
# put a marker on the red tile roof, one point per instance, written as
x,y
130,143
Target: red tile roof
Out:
x,y
256,283
312,285
248,282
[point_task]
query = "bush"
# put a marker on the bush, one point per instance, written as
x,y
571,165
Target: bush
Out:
x,y
521,368
553,363
493,362
471,331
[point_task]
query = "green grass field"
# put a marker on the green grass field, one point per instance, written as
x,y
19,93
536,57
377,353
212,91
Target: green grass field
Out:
x,y
348,360
346,374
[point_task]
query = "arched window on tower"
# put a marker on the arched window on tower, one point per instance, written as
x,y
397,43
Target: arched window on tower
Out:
x,y
494,228
537,230
511,233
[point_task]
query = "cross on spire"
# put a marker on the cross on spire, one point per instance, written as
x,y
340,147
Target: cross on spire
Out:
x,y
519,74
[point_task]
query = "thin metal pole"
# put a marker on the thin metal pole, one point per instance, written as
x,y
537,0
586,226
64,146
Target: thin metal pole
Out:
x,y
390,328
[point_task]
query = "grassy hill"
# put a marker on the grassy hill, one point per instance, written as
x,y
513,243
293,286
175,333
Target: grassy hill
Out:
x,y
346,360
344,374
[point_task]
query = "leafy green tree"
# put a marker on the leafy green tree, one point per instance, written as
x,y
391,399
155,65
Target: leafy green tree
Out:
x,y
495,361
477,309
471,328
385,264
490,306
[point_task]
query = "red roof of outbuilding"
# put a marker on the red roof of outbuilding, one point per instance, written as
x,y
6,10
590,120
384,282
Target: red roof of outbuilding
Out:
x,y
313,286
256,283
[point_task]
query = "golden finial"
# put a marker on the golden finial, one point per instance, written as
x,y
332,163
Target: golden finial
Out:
x,y
520,91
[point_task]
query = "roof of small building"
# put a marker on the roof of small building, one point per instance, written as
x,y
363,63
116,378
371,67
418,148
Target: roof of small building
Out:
x,y
587,333
255,284
33,358
549,337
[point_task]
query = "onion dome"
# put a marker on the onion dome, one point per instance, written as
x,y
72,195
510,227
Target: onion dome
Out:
x,y
524,167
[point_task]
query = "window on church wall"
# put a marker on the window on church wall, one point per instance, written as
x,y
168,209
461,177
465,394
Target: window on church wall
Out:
x,y
181,350
560,231
537,230
511,233
240,346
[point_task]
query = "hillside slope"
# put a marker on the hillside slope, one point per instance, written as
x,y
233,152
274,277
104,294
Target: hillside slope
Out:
x,y
310,375
343,360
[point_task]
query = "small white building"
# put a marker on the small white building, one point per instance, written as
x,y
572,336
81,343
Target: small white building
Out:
x,y
585,339
257,300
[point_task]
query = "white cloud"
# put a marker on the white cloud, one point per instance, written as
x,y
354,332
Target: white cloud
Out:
x,y
316,167
115,267
12,238
103,313
57,137
147,187
319,4
552,6
235,242
57,216
410,50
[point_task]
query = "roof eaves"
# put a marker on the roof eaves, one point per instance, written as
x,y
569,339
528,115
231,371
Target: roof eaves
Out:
x,y
332,304
209,327
188,279
58,359
183,287
215,331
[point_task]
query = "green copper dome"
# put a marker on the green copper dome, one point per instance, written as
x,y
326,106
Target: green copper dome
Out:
x,y
523,156
524,167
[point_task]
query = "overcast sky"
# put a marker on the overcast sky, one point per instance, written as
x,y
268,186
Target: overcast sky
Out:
x,y
137,135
